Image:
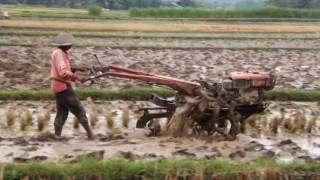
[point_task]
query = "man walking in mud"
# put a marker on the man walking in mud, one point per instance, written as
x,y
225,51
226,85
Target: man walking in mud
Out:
x,y
62,75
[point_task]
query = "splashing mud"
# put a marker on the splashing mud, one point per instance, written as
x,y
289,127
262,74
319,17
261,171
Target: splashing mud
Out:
x,y
180,121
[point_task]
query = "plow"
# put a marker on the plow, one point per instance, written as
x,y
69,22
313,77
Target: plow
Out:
x,y
198,107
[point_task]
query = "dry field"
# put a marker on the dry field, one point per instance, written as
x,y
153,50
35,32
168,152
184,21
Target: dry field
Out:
x,y
162,26
171,42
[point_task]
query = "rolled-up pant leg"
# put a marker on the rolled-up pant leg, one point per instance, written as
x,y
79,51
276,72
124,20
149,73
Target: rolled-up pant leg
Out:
x,y
68,101
75,107
61,116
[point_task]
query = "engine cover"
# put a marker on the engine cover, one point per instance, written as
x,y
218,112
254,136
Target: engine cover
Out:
x,y
251,79
248,87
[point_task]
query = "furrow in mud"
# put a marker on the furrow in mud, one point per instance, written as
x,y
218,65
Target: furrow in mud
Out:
x,y
28,67
162,42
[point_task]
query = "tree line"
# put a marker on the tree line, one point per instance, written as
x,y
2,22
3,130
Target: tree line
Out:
x,y
126,4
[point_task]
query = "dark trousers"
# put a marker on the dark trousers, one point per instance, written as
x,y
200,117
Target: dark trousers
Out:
x,y
67,101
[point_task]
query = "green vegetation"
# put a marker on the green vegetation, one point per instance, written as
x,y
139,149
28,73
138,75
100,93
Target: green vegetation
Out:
x,y
72,13
161,169
110,4
94,10
139,93
125,4
63,13
282,94
157,26
295,3
144,93
270,12
312,4
161,35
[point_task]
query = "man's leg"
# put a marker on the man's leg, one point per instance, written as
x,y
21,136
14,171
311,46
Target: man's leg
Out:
x,y
76,108
61,116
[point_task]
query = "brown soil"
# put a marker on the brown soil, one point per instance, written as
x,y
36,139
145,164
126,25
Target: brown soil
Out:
x,y
28,67
269,43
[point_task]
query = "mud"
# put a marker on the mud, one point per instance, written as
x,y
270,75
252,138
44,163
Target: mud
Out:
x,y
28,67
132,143
226,43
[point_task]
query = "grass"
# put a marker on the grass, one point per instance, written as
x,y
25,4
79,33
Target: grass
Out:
x,y
162,169
27,116
140,93
191,36
109,119
63,13
41,122
82,14
23,124
144,93
10,117
282,94
269,12
93,116
160,26
311,125
125,116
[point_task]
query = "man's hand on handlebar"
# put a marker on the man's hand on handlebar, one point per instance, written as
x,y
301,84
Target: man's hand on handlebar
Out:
x,y
77,69
81,76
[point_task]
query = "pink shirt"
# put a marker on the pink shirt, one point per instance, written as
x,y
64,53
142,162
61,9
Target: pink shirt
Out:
x,y
61,74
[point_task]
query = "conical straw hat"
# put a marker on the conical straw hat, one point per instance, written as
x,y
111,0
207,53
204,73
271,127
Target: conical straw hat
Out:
x,y
63,39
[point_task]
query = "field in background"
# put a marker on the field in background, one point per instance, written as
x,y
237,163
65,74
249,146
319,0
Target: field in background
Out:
x,y
163,35
161,26
63,13
225,13
168,14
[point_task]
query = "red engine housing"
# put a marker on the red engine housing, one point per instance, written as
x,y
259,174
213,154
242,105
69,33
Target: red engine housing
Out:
x,y
251,79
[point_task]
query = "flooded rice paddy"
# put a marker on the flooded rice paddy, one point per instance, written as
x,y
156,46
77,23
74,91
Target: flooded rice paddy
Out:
x,y
287,131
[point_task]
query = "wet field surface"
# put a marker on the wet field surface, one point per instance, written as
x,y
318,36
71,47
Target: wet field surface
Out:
x,y
28,67
286,131
222,43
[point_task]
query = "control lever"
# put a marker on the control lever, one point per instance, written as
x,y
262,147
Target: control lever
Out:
x,y
92,74
97,59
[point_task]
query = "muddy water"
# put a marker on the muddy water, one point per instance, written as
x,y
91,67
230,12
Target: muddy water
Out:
x,y
258,140
28,67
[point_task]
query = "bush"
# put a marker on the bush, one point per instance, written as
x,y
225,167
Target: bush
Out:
x,y
144,93
268,12
94,10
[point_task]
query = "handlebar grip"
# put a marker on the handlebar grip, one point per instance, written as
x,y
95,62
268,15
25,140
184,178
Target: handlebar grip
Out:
x,y
91,78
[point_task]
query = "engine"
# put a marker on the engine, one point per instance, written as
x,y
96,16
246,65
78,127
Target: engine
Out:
x,y
248,87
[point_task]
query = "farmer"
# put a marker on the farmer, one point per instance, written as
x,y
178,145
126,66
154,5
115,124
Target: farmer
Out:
x,y
62,75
